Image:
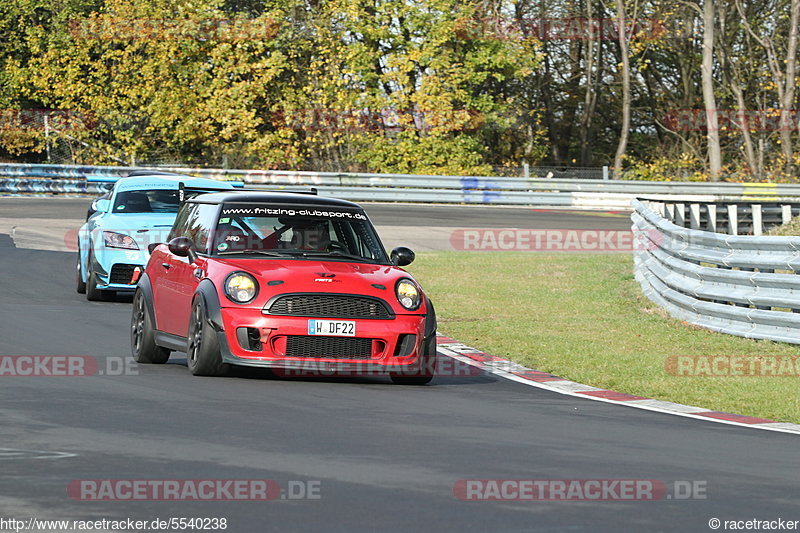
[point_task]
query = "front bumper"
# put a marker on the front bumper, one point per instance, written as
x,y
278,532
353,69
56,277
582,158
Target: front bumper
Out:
x,y
389,352
119,269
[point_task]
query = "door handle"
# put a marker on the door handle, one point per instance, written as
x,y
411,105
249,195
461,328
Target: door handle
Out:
x,y
166,265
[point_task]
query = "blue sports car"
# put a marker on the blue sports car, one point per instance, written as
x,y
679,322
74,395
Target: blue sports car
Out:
x,y
138,210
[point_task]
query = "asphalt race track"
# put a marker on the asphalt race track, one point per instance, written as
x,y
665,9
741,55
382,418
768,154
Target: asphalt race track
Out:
x,y
380,457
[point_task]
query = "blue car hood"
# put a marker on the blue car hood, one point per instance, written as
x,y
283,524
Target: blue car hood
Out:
x,y
135,221
145,228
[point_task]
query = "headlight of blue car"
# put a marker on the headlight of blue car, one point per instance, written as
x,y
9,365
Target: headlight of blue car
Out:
x,y
119,240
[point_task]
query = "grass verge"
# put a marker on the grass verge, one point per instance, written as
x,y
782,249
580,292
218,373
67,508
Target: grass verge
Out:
x,y
792,229
583,317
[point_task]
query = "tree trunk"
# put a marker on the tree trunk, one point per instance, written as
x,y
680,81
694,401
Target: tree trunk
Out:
x,y
590,95
626,89
714,154
744,126
733,78
788,90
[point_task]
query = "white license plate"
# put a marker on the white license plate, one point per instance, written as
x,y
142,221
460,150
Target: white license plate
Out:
x,y
337,328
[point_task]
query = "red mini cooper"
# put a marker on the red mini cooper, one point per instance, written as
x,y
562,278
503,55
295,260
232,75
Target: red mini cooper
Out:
x,y
288,281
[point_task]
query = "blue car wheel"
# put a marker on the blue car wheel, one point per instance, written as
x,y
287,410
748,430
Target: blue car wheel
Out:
x,y
80,285
93,294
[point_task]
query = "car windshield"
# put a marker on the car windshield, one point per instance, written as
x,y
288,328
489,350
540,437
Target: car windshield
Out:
x,y
149,201
327,232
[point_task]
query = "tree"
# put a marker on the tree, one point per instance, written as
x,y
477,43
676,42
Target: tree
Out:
x,y
714,154
625,74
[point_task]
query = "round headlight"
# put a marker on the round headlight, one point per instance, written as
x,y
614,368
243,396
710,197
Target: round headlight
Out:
x,y
241,287
408,294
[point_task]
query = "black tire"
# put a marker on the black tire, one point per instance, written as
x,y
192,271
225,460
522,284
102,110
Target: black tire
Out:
x,y
203,355
427,366
80,285
93,294
143,345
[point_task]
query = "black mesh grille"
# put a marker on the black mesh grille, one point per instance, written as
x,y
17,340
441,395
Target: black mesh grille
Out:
x,y
329,306
328,347
122,274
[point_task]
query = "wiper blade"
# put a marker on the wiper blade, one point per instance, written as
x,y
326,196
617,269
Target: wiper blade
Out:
x,y
254,252
334,254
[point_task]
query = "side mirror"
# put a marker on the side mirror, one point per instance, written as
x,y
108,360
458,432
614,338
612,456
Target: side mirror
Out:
x,y
402,256
183,247
101,205
152,246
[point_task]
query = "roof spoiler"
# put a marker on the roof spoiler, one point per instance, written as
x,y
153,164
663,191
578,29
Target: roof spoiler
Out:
x,y
183,189
102,179
136,173
139,173
311,191
238,187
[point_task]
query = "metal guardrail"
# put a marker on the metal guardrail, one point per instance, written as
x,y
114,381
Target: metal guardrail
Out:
x,y
741,285
727,215
578,193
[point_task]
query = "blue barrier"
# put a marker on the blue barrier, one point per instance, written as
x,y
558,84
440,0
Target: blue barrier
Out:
x,y
52,186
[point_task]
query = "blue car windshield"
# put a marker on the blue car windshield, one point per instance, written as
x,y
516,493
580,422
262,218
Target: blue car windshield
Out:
x,y
152,201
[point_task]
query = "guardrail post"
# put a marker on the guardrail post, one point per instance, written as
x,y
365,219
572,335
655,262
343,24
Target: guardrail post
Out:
x,y
47,136
694,216
670,213
758,226
712,217
605,172
680,216
733,219
786,213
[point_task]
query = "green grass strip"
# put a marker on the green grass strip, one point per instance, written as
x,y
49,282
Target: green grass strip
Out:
x,y
582,317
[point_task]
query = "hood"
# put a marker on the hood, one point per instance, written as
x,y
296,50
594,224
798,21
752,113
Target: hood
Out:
x,y
143,227
135,221
316,276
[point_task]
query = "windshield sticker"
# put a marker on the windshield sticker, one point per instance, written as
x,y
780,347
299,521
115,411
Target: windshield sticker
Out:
x,y
224,220
222,247
282,211
147,185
